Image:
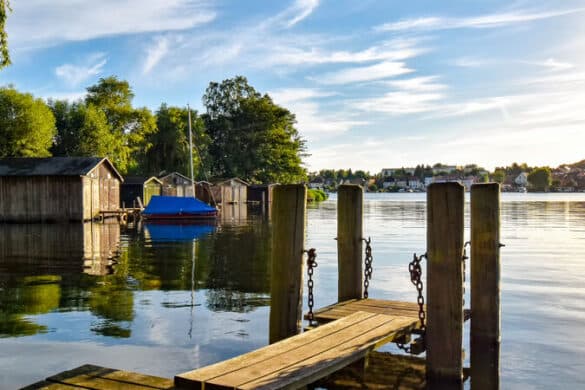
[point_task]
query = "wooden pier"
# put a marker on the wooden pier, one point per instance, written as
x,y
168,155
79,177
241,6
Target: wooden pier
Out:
x,y
343,335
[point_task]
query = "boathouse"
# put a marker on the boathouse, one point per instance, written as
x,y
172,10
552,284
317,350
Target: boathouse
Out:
x,y
56,189
233,190
175,184
139,187
260,193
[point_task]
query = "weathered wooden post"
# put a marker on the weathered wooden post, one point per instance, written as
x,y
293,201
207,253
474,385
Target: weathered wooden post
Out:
x,y
485,286
350,209
288,243
444,333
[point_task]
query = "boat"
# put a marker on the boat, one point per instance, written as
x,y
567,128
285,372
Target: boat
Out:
x,y
175,208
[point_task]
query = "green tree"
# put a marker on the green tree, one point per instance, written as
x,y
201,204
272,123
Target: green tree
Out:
x,y
170,142
27,125
250,136
4,54
130,126
498,176
540,178
82,130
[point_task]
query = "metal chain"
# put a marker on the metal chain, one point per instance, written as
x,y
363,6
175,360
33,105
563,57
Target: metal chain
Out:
x,y
368,266
415,270
311,265
463,258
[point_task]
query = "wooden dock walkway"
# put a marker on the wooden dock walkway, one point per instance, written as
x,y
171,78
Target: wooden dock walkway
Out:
x,y
392,308
93,377
302,359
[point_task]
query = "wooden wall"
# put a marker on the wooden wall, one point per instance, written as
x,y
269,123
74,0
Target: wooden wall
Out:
x,y
230,192
101,192
41,198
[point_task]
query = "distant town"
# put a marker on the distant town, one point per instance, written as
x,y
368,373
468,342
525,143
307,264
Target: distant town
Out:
x,y
513,178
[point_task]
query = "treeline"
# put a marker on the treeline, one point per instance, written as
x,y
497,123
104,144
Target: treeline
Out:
x,y
243,133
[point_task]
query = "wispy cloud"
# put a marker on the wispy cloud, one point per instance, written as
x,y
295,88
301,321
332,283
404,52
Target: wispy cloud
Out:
x,y
313,122
377,71
75,74
50,22
485,21
417,84
155,53
298,11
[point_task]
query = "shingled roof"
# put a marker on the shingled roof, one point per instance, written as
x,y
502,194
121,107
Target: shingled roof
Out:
x,y
52,166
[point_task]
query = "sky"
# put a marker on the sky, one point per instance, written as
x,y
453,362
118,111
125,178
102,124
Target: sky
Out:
x,y
373,84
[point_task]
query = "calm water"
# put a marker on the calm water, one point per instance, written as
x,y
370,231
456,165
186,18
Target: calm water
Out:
x,y
164,300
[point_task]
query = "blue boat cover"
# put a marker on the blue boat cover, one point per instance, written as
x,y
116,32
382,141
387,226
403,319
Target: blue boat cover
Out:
x,y
176,205
176,233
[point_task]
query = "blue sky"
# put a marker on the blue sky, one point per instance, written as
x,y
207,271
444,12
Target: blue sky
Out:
x,y
373,84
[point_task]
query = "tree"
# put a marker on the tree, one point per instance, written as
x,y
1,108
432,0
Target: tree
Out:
x,y
540,178
499,176
4,54
27,125
250,136
170,142
82,130
129,125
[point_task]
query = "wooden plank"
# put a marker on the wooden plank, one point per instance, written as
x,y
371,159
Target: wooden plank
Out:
x,y
309,370
266,353
100,378
304,358
288,244
350,208
444,333
46,385
485,286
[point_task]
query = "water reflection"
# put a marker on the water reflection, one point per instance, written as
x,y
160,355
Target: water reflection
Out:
x,y
41,264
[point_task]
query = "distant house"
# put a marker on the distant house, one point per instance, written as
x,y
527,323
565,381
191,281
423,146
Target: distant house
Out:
x,y
57,188
234,190
139,187
175,184
522,179
204,192
317,183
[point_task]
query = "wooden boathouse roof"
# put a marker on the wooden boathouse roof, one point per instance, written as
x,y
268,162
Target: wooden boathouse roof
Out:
x,y
52,166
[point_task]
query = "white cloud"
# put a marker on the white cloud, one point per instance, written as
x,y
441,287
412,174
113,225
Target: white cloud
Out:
x,y
75,74
400,103
467,62
422,83
313,122
155,53
297,12
485,21
554,65
377,71
38,23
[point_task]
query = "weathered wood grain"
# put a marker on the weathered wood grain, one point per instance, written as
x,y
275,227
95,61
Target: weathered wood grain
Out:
x,y
350,208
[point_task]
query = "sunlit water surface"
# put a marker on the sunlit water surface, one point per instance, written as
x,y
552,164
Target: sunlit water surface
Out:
x,y
178,298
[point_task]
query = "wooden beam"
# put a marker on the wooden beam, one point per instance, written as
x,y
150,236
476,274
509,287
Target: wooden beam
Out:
x,y
485,286
444,333
350,208
288,243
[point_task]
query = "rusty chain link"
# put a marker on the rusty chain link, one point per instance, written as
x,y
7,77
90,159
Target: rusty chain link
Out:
x,y
368,266
311,265
463,258
415,270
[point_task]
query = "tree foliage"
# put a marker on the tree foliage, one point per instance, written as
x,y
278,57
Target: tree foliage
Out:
x,y
540,178
170,142
27,125
250,136
4,53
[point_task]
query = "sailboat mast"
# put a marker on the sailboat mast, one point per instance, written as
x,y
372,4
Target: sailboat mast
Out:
x,y
191,151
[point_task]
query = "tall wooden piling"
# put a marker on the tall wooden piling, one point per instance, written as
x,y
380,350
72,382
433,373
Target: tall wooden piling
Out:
x,y
444,333
485,286
288,243
350,210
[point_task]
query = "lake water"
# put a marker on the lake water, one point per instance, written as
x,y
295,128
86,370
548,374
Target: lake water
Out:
x,y
174,299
